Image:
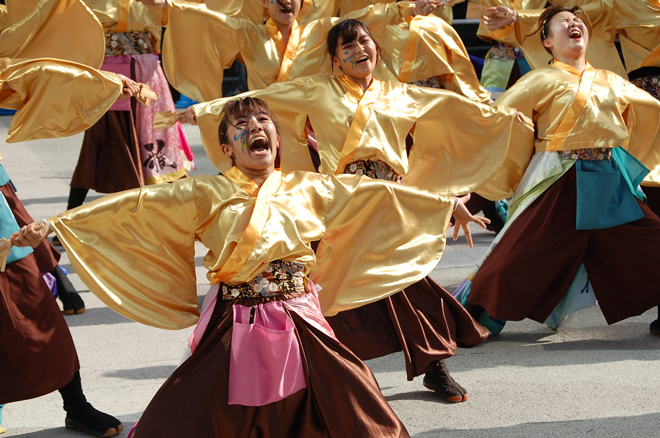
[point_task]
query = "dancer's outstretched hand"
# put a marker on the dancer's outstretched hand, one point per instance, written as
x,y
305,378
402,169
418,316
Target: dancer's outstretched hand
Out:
x,y
31,235
188,116
498,17
463,218
425,7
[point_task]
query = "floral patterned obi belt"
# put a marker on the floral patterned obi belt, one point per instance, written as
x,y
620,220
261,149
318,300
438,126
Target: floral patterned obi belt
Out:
x,y
373,169
506,52
128,43
587,154
650,84
279,278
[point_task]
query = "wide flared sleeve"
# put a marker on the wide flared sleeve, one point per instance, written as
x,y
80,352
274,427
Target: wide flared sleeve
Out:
x,y
62,29
288,100
198,45
38,88
642,117
135,251
380,238
435,49
459,144
524,96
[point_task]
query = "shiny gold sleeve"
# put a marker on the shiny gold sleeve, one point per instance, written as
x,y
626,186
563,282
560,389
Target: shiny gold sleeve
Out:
x,y
377,17
380,238
198,45
643,122
523,96
135,251
54,98
142,18
459,144
289,101
601,52
62,29
435,49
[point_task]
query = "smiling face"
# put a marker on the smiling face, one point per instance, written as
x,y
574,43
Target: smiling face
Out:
x,y
567,36
252,141
356,58
283,12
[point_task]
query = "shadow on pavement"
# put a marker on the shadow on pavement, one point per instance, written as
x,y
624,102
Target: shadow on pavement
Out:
x,y
640,426
146,373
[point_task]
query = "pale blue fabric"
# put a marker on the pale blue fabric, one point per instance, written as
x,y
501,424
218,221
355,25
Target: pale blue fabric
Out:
x,y
8,226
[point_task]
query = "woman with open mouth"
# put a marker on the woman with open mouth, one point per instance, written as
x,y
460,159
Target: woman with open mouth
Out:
x,y
264,360
361,125
578,203
200,43
636,23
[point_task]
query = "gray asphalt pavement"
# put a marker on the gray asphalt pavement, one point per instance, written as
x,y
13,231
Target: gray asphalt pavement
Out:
x,y
586,380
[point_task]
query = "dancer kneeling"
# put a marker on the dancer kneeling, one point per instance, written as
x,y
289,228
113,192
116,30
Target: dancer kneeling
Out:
x,y
264,358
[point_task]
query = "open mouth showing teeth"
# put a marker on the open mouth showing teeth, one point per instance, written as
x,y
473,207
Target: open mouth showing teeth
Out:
x,y
362,59
575,34
259,144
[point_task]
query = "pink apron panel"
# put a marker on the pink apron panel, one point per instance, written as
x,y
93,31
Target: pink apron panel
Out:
x,y
122,65
160,150
266,364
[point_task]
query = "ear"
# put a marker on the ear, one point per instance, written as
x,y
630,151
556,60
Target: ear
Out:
x,y
335,62
227,150
265,3
547,44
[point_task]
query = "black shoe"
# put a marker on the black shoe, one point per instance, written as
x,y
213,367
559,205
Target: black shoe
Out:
x,y
70,298
655,328
93,422
439,381
56,241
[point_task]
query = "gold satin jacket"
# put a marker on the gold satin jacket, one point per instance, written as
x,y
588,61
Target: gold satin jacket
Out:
x,y
413,49
148,236
458,143
595,109
129,16
31,36
347,6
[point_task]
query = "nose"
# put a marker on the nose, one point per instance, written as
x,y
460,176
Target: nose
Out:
x,y
254,125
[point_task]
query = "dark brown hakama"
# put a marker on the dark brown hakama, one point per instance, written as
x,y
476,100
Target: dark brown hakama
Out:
x,y
342,398
532,267
424,321
46,255
37,354
653,199
110,159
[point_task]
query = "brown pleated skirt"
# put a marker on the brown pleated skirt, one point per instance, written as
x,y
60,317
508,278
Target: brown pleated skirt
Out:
x,y
110,159
37,355
46,255
342,398
424,321
653,199
532,267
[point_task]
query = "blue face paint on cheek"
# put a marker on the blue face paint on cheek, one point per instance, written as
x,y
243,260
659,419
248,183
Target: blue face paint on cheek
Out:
x,y
241,135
